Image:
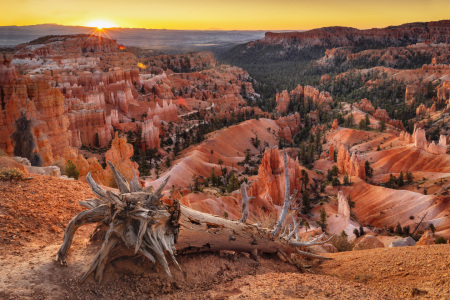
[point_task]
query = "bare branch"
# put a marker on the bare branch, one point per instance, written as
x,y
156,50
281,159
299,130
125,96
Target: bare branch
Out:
x,y
421,220
287,199
135,186
310,243
309,254
122,183
98,191
245,202
154,199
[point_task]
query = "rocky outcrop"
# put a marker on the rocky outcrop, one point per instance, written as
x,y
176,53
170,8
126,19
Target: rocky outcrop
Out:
x,y
365,105
420,141
382,115
316,96
89,128
426,239
297,94
368,242
313,116
282,100
325,78
405,136
289,127
330,37
83,165
41,103
331,153
407,241
150,134
343,207
335,125
353,164
421,110
167,112
120,154
443,91
270,182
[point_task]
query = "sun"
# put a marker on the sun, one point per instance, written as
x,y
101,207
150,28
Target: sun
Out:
x,y
100,24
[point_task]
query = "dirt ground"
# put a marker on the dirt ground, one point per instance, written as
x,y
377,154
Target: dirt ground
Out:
x,y
34,213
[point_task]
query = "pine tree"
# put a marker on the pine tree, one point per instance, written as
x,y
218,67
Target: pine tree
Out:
x,y
323,219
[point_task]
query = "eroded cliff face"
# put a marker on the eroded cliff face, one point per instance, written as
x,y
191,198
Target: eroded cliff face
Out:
x,y
42,103
436,32
351,164
418,138
300,95
289,127
393,57
269,185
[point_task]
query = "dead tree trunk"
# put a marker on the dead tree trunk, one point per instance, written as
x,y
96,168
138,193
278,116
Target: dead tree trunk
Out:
x,y
139,223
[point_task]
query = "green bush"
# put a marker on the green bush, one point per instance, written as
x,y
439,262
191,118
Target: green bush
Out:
x,y
441,240
71,170
11,174
341,242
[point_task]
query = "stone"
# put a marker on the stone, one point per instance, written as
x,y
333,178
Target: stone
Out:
x,y
353,165
407,241
365,105
331,151
335,125
325,78
426,239
343,207
368,242
119,154
150,134
289,127
282,100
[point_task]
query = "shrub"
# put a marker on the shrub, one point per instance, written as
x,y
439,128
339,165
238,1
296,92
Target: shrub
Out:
x,y
441,240
341,242
361,231
11,174
335,182
398,229
432,228
356,232
71,170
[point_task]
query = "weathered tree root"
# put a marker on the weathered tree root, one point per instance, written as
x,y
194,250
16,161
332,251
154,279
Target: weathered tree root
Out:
x,y
140,224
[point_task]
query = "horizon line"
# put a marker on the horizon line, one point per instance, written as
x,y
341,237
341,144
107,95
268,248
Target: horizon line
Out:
x,y
220,29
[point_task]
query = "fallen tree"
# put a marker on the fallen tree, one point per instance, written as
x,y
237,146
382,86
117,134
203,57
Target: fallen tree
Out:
x,y
139,223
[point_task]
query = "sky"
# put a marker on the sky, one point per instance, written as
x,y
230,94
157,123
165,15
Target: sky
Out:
x,y
226,15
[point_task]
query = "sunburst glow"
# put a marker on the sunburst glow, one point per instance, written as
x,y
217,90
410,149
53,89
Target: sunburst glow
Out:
x,y
100,24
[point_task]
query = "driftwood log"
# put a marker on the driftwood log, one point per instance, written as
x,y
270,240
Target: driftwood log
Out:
x,y
139,223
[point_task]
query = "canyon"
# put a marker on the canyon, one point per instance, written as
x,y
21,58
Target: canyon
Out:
x,y
361,143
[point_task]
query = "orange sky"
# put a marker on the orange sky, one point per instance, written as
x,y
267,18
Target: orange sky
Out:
x,y
230,14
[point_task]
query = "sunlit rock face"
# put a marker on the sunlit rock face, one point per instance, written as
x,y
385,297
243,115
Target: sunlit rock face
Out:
x,y
282,101
119,154
330,37
418,138
353,164
269,186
